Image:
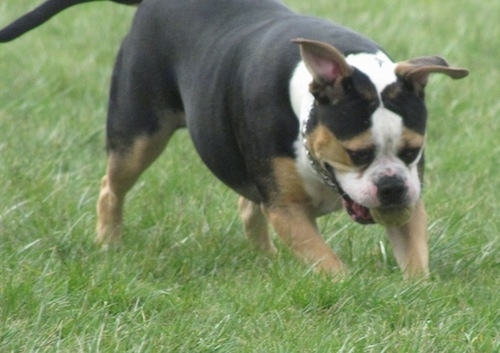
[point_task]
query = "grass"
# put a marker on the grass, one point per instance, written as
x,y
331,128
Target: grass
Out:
x,y
184,279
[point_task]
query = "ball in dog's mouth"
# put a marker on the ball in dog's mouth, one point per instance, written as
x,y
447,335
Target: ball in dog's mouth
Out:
x,y
391,217
387,217
356,211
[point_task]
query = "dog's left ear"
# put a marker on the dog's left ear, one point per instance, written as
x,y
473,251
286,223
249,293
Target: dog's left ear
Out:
x,y
325,62
418,70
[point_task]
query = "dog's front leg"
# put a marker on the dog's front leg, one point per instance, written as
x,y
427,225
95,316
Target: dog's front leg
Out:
x,y
290,212
296,226
410,244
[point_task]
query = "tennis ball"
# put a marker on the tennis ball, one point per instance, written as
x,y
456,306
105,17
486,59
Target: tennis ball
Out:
x,y
391,217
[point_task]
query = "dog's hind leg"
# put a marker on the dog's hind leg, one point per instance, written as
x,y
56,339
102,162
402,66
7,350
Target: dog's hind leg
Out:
x,y
256,226
144,111
123,169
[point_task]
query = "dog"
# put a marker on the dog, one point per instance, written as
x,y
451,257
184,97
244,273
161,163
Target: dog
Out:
x,y
299,116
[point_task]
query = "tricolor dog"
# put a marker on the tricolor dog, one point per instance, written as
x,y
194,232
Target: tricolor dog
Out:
x,y
299,116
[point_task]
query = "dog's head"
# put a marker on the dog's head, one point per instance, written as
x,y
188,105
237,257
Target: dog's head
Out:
x,y
367,127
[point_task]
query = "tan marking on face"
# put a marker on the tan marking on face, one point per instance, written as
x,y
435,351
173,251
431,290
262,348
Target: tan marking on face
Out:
x,y
411,139
361,142
326,147
290,186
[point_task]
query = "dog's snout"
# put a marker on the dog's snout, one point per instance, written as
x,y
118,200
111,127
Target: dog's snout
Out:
x,y
391,191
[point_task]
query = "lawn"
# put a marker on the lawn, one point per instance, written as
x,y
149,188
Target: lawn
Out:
x,y
185,279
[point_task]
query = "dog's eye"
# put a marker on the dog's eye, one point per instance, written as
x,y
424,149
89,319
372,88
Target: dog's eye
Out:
x,y
409,154
361,157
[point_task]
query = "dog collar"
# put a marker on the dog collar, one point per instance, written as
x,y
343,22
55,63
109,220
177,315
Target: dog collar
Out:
x,y
327,177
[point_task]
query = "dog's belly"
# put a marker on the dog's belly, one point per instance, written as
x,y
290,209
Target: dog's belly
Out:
x,y
220,152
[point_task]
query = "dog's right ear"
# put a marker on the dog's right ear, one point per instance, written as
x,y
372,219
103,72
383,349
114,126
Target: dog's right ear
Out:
x,y
418,70
325,62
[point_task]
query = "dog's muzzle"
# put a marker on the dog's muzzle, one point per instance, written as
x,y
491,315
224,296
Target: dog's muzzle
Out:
x,y
392,194
356,211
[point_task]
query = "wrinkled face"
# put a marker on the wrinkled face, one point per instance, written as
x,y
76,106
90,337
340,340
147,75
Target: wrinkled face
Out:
x,y
368,128
365,126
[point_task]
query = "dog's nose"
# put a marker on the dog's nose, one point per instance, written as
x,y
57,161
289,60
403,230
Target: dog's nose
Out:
x,y
391,191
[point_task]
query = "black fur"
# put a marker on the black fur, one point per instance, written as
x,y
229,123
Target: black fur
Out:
x,y
200,57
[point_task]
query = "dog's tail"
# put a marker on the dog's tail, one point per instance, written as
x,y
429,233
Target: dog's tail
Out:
x,y
42,14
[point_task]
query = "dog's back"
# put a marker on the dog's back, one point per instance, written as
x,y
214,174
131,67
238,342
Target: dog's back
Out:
x,y
205,52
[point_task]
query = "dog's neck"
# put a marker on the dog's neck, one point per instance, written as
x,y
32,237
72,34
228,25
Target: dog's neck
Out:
x,y
327,177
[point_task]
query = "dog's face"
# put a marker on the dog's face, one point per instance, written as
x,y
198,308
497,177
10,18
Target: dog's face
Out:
x,y
367,125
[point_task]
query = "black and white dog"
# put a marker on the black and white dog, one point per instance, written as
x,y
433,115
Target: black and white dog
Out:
x,y
298,115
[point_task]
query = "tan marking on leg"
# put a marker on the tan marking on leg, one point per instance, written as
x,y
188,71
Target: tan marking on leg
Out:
x,y
410,244
297,228
256,226
123,170
290,212
109,215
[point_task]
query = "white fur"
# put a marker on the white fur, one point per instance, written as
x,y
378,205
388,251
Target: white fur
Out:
x,y
378,67
300,97
386,131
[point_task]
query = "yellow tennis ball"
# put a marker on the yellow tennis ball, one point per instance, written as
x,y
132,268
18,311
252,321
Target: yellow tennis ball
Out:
x,y
392,217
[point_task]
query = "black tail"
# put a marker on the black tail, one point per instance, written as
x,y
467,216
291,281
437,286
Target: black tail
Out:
x,y
42,14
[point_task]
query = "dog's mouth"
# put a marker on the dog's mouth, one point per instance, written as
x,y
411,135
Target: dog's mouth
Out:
x,y
357,212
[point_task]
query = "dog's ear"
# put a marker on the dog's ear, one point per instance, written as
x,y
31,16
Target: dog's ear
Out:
x,y
324,62
418,70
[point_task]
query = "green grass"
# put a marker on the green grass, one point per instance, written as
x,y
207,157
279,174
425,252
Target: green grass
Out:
x,y
184,279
